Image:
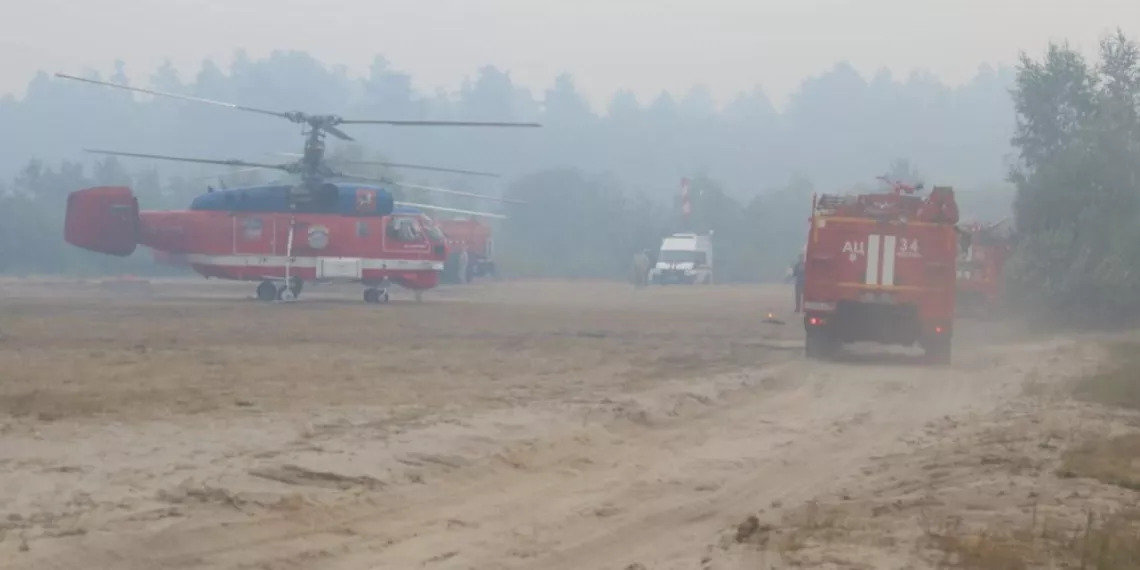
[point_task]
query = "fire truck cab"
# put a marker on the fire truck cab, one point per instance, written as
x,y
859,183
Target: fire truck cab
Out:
x,y
474,237
880,267
981,265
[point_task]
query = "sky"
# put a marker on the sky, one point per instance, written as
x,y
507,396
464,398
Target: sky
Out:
x,y
646,46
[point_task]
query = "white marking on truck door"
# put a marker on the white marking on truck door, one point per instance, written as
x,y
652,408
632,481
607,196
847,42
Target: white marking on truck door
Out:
x,y
889,260
872,275
854,250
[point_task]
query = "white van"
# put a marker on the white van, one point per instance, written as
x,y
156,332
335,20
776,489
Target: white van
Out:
x,y
684,259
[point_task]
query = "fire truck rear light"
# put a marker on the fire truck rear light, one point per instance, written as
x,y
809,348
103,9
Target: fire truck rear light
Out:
x,y
815,321
938,330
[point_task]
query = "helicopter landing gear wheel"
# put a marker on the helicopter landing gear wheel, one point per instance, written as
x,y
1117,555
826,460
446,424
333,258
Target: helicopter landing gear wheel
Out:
x,y
267,291
287,290
375,295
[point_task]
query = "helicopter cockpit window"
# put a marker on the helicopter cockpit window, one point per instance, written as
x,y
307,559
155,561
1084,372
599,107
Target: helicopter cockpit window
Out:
x,y
434,234
404,229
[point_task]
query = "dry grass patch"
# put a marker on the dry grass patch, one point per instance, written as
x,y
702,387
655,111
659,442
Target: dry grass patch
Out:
x,y
1111,542
817,532
797,531
75,356
1112,460
1103,542
1118,381
815,523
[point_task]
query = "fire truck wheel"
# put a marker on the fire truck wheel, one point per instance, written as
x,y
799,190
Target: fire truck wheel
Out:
x,y
450,273
295,286
267,291
818,344
938,350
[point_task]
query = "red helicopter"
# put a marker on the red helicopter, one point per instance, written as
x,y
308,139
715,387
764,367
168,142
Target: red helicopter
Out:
x,y
287,234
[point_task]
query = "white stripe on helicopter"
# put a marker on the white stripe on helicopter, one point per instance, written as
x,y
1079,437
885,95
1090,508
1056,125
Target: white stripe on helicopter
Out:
x,y
266,261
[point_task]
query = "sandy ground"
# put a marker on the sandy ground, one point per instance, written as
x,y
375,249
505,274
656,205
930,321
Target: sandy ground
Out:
x,y
179,424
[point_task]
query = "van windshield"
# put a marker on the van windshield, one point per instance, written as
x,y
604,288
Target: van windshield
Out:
x,y
680,256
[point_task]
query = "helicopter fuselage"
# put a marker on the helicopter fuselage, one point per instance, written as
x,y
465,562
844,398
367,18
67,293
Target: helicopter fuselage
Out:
x,y
253,234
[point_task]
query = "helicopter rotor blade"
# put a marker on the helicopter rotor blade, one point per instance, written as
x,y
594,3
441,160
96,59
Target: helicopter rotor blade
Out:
x,y
452,210
231,162
326,123
223,174
337,133
290,116
438,123
455,192
422,187
402,165
420,167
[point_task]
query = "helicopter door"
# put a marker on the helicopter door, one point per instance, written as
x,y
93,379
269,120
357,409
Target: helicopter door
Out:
x,y
404,234
252,235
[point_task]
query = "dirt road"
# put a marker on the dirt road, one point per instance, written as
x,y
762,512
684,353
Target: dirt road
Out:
x,y
502,426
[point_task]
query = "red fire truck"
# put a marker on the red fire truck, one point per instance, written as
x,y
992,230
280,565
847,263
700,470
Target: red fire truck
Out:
x,y
476,237
985,249
880,267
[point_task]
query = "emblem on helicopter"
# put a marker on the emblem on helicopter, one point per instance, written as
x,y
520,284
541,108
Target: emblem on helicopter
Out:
x,y
365,200
318,237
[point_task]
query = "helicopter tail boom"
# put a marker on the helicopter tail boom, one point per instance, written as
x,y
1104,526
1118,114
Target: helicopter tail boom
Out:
x,y
103,219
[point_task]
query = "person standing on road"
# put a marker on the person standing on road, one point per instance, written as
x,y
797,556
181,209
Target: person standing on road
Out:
x,y
798,277
464,259
640,269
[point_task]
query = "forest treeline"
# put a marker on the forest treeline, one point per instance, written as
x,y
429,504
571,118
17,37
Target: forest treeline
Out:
x,y
1077,206
603,182
839,127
